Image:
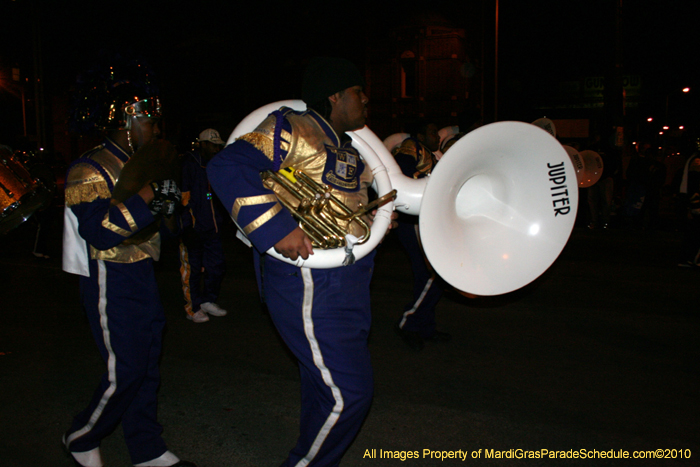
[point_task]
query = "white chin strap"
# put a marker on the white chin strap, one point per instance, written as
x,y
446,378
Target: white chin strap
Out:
x,y
132,125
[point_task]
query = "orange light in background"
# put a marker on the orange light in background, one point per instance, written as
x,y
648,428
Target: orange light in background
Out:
x,y
665,128
686,89
681,127
661,132
650,119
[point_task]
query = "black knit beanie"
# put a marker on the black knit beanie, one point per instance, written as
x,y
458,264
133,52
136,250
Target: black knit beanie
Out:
x,y
325,76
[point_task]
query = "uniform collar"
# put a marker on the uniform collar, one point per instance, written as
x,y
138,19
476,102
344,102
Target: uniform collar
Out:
x,y
326,127
115,149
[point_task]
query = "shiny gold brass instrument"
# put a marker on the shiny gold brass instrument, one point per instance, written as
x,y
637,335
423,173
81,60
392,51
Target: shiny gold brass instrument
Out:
x,y
318,211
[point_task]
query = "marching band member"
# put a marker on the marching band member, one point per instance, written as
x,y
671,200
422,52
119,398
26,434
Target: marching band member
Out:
x,y
323,315
112,243
201,221
415,156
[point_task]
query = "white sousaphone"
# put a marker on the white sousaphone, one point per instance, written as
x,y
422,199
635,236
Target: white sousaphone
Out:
x,y
547,125
494,214
588,165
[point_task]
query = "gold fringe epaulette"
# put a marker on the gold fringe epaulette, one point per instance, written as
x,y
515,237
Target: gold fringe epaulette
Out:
x,y
87,193
408,147
261,142
85,184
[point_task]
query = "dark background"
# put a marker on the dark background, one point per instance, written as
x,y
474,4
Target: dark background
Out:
x,y
217,61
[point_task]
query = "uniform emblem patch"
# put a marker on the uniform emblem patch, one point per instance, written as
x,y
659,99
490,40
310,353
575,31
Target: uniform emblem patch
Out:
x,y
343,168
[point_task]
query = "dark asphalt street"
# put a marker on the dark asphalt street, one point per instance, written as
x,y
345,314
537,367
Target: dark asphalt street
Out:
x,y
600,353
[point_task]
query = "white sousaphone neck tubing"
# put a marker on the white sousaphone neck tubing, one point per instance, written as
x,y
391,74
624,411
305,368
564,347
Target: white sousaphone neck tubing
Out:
x,y
409,191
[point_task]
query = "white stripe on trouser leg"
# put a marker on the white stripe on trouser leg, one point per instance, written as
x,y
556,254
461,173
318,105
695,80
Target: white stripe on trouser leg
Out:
x,y
111,358
318,361
418,302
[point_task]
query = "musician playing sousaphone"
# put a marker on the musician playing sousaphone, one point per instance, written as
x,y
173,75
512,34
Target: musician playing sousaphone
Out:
x,y
323,315
117,195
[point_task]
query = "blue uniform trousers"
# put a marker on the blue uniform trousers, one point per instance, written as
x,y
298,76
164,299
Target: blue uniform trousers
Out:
x,y
324,316
419,314
202,250
127,321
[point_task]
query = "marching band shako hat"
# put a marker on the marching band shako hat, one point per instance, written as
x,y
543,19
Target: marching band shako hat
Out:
x,y
324,76
126,102
112,93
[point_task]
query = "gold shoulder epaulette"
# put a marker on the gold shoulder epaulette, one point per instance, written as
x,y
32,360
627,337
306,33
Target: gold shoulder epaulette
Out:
x,y
408,147
263,137
261,142
84,185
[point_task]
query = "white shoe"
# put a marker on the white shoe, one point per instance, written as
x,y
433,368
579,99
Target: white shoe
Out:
x,y
213,309
199,317
167,459
91,458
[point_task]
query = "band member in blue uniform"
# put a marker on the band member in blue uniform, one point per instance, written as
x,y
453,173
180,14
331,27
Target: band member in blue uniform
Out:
x,y
202,218
323,315
111,239
417,324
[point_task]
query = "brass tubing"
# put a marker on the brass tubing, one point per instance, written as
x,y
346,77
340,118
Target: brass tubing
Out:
x,y
318,210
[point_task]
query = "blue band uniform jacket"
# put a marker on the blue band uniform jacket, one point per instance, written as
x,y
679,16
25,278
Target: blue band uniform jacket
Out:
x,y
305,141
107,228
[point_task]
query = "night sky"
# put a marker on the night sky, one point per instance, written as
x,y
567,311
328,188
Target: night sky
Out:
x,y
216,61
